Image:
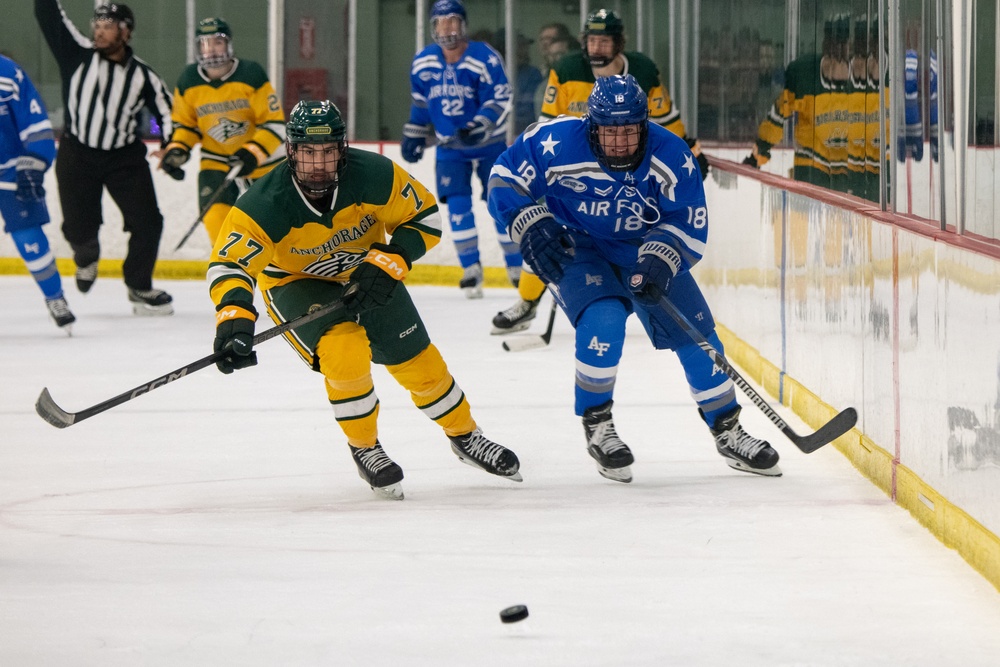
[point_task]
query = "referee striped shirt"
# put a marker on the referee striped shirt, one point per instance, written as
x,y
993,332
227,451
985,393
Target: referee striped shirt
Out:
x,y
103,99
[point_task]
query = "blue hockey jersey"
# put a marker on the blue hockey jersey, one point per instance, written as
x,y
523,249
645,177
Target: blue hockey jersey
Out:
x,y
448,96
662,200
24,123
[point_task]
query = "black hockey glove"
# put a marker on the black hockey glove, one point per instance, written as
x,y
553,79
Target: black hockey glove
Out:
x,y
30,177
415,140
658,264
245,160
476,131
750,161
173,160
545,244
699,155
377,277
234,335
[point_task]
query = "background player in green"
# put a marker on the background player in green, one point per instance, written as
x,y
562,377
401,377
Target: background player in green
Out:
x,y
313,226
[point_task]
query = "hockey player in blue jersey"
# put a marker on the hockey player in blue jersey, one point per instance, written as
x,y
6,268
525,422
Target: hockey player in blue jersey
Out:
x,y
461,96
27,149
609,210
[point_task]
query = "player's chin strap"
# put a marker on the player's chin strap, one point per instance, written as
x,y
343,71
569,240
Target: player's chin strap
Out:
x,y
53,414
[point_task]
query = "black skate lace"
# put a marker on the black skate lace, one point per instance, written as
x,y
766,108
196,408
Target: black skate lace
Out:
x,y
744,444
374,459
483,449
518,310
58,307
607,437
147,293
88,272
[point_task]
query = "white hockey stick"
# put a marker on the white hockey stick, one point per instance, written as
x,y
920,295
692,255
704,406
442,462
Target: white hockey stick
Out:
x,y
230,177
522,343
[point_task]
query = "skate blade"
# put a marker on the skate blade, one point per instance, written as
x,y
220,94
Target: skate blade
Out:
x,y
516,477
500,331
473,292
145,310
68,328
773,471
391,492
623,475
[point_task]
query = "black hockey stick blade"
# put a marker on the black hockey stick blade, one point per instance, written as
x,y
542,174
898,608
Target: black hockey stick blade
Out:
x,y
48,410
522,343
830,431
230,177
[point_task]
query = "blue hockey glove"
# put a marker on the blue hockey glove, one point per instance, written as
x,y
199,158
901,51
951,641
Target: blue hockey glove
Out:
x,y
30,177
234,335
413,148
658,264
377,277
173,160
695,147
545,244
244,160
476,131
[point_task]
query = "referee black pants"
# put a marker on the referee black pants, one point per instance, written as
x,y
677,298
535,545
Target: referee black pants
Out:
x,y
83,173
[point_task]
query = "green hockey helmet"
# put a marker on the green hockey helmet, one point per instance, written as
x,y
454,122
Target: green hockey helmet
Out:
x,y
205,34
313,167
604,22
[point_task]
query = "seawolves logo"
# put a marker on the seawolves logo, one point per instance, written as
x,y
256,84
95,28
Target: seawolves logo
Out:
x,y
227,129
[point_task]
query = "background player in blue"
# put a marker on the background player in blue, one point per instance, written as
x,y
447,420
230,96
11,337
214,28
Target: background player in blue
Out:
x,y
27,149
461,95
622,223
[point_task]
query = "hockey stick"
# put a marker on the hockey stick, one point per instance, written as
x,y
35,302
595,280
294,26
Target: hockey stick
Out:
x,y
53,414
830,431
522,343
4,185
230,177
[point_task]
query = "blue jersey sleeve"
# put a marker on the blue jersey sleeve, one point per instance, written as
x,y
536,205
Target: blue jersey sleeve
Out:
x,y
494,88
26,128
516,181
424,69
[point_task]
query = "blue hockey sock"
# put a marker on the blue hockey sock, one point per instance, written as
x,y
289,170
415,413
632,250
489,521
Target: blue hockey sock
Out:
x,y
711,388
511,251
600,337
463,229
33,246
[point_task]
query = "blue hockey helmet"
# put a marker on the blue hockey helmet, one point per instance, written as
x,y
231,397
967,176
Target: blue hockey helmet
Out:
x,y
618,101
443,9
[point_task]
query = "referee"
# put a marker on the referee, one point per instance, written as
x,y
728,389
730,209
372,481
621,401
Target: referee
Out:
x,y
105,87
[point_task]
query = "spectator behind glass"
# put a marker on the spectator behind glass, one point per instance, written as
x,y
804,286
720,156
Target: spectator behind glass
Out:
x,y
555,41
527,80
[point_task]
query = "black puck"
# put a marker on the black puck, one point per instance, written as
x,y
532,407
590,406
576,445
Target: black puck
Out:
x,y
518,612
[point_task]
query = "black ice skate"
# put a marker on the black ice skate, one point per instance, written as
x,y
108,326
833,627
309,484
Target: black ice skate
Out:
x,y
603,444
516,318
150,302
379,471
85,277
60,312
479,451
472,281
741,451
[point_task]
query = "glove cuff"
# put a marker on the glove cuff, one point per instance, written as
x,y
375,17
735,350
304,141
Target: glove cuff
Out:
x,y
527,217
232,311
389,258
662,251
414,131
31,161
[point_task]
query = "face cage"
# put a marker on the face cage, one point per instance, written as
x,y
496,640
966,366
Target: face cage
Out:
x,y
215,61
604,61
312,187
448,42
625,162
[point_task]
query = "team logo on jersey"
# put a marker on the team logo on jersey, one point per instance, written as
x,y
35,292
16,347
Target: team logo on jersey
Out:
x,y
226,129
573,184
337,262
597,345
595,280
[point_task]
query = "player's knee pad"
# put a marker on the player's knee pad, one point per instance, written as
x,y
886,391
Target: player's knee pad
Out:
x,y
600,332
213,220
344,357
460,213
33,246
434,391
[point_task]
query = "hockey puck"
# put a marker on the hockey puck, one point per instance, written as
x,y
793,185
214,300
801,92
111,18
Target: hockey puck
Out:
x,y
518,612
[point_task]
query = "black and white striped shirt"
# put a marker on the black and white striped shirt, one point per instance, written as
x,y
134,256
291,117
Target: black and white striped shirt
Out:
x,y
103,99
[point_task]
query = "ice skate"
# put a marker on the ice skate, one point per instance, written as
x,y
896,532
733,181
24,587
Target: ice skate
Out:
x,y
741,451
603,444
472,281
516,318
479,451
150,302
381,473
60,312
85,277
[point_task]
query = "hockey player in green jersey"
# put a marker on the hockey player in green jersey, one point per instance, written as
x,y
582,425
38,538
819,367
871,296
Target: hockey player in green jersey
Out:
x,y
307,231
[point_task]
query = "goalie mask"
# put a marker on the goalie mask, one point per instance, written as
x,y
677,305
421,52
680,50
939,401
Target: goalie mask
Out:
x,y
316,146
449,11
604,22
617,113
214,41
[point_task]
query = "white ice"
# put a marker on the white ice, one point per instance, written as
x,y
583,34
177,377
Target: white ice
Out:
x,y
220,520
